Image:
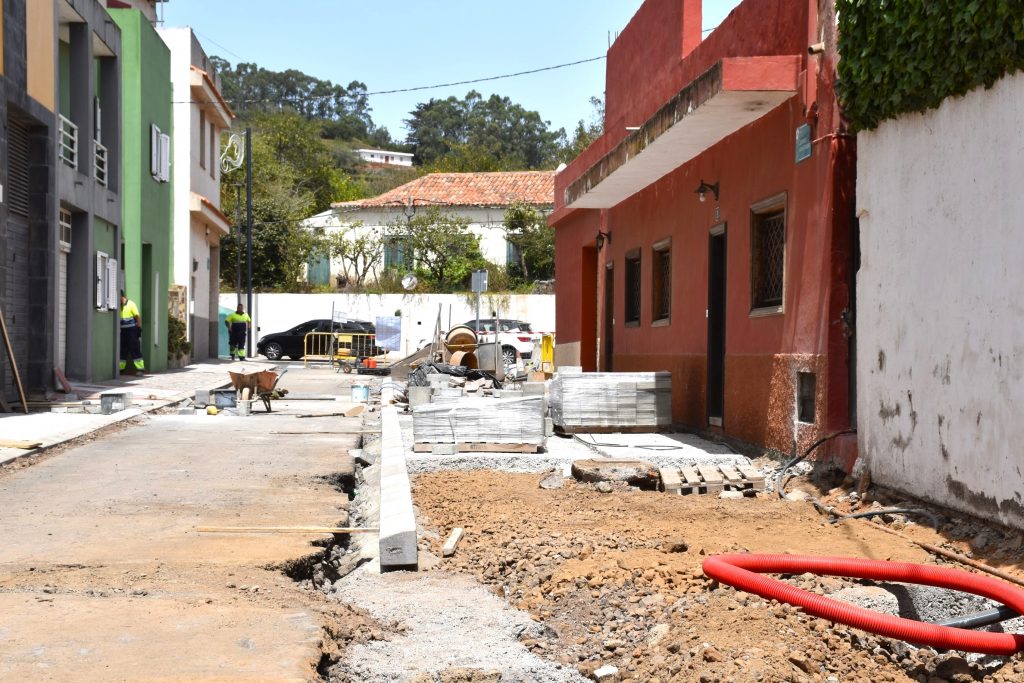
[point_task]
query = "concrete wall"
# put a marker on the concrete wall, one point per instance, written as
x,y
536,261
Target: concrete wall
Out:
x,y
941,302
279,312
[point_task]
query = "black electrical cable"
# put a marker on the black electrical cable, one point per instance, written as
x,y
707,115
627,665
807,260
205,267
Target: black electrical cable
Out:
x,y
779,485
981,619
890,511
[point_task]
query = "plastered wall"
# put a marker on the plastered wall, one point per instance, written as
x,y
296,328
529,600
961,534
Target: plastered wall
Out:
x,y
941,302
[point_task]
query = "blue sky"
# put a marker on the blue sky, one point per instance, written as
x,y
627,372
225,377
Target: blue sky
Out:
x,y
392,44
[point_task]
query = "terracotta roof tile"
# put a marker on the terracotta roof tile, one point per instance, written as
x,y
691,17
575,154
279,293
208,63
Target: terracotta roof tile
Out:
x,y
467,189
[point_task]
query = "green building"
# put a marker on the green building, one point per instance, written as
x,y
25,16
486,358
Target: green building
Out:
x,y
146,215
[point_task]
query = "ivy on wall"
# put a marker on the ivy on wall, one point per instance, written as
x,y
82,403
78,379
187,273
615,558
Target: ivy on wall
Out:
x,y
902,56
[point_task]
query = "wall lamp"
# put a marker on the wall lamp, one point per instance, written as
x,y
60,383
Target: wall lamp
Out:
x,y
704,188
603,237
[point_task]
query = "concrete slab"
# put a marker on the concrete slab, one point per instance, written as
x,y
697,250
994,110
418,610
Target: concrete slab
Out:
x,y
397,519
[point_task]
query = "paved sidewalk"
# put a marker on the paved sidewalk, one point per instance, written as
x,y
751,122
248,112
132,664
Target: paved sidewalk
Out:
x,y
149,393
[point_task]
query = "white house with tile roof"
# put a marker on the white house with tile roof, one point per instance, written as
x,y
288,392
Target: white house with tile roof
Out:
x,y
480,198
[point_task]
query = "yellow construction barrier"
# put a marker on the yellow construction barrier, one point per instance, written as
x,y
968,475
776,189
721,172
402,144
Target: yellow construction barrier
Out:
x,y
347,350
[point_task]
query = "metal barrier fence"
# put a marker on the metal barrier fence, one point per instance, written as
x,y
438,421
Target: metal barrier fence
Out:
x,y
344,349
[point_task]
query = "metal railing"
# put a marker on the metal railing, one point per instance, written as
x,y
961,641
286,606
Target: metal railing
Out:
x,y
100,163
68,142
344,349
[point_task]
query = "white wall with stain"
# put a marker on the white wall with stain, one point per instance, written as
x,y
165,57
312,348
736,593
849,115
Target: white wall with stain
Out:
x,y
940,302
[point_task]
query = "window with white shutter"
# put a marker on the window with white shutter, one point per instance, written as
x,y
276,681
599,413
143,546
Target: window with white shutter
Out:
x,y
113,295
101,280
160,154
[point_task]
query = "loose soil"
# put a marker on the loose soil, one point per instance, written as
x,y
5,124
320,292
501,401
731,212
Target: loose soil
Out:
x,y
616,577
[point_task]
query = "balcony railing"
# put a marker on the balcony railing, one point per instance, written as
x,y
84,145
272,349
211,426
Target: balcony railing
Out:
x,y
100,162
68,142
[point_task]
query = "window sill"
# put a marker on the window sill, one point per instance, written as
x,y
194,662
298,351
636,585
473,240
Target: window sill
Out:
x,y
633,323
662,322
765,311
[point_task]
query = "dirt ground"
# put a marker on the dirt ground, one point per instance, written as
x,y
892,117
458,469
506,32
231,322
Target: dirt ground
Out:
x,y
616,577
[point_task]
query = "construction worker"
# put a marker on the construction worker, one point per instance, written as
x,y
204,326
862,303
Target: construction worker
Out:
x,y
239,325
131,335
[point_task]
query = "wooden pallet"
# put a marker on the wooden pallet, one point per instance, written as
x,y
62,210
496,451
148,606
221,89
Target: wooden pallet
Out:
x,y
477,447
710,479
621,429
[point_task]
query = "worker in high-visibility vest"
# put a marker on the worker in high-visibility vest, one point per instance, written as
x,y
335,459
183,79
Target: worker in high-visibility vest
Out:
x,y
239,325
131,335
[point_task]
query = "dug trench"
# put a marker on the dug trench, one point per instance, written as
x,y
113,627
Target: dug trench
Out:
x,y
616,580
318,573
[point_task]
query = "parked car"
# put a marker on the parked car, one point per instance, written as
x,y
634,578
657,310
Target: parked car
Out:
x,y
291,342
515,336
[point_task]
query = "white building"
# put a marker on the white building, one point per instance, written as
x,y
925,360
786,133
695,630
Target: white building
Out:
x,y
200,115
481,198
383,156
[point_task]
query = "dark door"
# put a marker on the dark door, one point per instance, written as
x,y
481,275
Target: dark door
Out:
x,y
716,328
608,334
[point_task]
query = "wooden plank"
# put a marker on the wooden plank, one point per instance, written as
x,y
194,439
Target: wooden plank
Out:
x,y
14,365
732,475
452,543
712,478
619,429
480,447
694,484
285,530
23,445
670,481
497,448
751,474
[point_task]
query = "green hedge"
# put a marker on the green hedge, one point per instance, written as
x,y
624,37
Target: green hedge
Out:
x,y
901,56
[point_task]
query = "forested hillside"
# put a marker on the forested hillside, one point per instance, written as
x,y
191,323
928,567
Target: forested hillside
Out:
x,y
305,133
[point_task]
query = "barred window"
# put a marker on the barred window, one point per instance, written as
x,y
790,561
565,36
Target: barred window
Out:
x,y
768,257
661,281
633,287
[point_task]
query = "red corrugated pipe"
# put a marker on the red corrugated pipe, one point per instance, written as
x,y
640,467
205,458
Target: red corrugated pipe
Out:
x,y
742,572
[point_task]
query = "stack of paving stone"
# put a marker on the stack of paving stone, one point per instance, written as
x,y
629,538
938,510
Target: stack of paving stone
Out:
x,y
609,400
475,420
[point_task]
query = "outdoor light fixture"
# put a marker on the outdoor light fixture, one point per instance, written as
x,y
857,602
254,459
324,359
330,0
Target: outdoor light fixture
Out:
x,y
603,237
705,188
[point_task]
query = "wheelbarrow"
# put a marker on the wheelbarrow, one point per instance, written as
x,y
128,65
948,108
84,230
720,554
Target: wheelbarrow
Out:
x,y
261,384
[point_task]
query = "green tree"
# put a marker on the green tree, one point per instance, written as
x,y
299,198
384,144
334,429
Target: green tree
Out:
x,y
502,131
293,178
441,246
585,133
360,252
251,89
527,228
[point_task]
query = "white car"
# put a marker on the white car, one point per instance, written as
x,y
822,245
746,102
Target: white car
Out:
x,y
515,336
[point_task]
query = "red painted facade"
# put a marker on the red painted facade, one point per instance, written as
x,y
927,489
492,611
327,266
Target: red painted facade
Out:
x,y
653,59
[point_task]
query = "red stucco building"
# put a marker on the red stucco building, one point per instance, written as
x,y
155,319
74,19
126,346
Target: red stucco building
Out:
x,y
710,231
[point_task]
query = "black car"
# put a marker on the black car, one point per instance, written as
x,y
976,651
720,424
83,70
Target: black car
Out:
x,y
292,342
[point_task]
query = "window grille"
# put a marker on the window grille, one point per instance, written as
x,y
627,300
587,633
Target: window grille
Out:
x,y
769,257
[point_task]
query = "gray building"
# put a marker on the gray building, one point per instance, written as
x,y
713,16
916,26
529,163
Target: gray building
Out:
x,y
28,204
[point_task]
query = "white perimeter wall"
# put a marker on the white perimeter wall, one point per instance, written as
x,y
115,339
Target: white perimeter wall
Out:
x,y
941,302
280,312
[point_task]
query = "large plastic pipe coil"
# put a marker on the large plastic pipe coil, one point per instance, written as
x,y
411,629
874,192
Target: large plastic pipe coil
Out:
x,y
743,572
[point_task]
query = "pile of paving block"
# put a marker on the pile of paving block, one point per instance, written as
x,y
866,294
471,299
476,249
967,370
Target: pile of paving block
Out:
x,y
585,401
472,424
